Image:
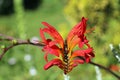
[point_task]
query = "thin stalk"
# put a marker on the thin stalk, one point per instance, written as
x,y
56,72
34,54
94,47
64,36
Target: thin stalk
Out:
x,y
20,18
66,77
98,73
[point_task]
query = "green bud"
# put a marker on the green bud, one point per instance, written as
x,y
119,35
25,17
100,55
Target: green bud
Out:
x,y
14,41
3,46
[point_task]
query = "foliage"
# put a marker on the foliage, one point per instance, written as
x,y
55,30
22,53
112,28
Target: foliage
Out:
x,y
106,22
104,16
20,68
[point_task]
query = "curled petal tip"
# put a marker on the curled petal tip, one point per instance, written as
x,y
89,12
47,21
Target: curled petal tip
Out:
x,y
53,62
53,33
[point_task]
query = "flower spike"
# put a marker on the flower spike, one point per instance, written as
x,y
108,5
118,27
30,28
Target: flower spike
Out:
x,y
66,58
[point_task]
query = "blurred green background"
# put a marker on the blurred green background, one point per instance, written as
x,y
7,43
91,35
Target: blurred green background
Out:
x,y
22,19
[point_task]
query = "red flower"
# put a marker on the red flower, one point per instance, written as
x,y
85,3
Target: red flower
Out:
x,y
66,59
114,67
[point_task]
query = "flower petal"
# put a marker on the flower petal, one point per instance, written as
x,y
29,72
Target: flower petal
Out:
x,y
87,54
73,43
87,58
42,36
79,29
54,50
76,62
76,53
53,33
53,62
45,57
82,41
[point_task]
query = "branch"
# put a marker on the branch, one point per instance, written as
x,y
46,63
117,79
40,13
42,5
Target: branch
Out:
x,y
105,68
102,67
16,42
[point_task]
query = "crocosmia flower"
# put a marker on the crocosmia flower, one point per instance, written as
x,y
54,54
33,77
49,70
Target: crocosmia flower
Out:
x,y
66,56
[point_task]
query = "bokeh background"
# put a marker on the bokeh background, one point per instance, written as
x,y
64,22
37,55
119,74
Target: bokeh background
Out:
x,y
22,19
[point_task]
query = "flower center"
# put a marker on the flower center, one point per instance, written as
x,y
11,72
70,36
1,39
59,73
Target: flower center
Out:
x,y
65,58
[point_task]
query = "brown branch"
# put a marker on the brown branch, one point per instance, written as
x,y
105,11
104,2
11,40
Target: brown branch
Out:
x,y
16,43
28,42
102,67
106,69
6,38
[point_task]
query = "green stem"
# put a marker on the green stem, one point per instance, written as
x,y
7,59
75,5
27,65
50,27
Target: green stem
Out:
x,y
20,18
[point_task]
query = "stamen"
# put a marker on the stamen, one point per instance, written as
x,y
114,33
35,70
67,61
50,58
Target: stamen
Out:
x,y
65,58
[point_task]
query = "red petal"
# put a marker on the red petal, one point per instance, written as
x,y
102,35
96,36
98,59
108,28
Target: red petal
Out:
x,y
87,58
92,54
53,32
79,29
52,43
42,35
51,48
81,44
87,53
115,67
89,50
53,62
73,43
82,41
54,50
45,57
78,53
76,62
